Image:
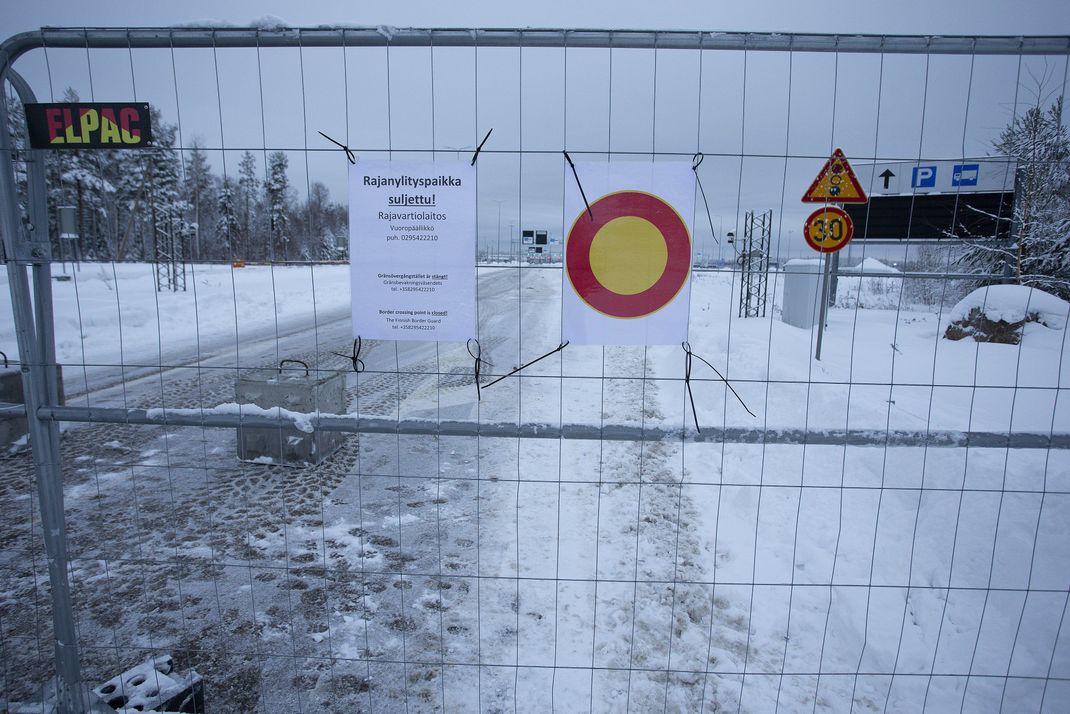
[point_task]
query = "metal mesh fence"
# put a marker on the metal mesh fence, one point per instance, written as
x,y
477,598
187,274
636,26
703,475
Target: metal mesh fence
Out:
x,y
887,533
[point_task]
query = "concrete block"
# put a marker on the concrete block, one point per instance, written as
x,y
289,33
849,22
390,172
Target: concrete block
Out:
x,y
13,428
151,686
154,686
296,391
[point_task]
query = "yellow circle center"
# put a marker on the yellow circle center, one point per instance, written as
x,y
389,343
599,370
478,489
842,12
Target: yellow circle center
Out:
x,y
628,255
827,229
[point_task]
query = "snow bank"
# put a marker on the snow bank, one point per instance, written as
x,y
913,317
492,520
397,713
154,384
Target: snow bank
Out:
x,y
870,265
1013,303
111,312
857,287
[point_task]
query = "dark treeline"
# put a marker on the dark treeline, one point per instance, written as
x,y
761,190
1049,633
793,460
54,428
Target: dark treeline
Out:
x,y
128,202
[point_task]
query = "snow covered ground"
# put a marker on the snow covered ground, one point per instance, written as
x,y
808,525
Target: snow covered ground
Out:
x,y
110,314
457,573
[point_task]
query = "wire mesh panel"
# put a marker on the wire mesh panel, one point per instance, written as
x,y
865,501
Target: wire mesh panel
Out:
x,y
610,528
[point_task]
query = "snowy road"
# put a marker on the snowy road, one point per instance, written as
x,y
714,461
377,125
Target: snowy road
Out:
x,y
459,572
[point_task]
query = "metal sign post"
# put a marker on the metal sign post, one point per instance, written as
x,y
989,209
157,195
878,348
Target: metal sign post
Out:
x,y
824,305
829,228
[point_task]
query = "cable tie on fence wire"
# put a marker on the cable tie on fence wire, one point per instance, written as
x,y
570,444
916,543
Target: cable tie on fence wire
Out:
x,y
578,184
694,167
294,361
349,152
477,356
688,354
6,364
358,363
555,350
480,147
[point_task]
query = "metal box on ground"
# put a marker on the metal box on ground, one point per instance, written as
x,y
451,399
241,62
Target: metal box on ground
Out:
x,y
295,390
13,428
802,285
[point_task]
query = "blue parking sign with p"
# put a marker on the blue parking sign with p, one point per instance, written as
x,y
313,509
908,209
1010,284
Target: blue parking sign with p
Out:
x,y
923,177
965,174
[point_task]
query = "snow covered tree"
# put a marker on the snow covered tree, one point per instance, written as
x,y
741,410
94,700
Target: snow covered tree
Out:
x,y
277,201
81,179
17,136
227,226
200,194
1040,254
248,185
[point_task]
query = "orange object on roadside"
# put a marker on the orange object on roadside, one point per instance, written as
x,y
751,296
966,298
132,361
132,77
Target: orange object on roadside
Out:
x,y
238,264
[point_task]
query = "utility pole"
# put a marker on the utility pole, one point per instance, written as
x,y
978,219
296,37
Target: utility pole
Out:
x,y
498,254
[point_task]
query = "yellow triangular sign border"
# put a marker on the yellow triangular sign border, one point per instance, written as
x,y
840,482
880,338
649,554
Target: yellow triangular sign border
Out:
x,y
815,195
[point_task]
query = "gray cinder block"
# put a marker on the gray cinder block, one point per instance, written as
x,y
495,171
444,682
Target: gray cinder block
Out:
x,y
13,428
154,686
296,391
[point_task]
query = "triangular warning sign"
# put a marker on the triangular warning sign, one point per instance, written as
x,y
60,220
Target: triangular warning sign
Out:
x,y
835,183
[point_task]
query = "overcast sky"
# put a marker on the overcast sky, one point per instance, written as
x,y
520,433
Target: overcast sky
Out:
x,y
799,106
863,16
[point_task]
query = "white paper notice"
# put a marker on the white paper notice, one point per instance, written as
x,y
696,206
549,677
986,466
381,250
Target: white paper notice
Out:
x,y
412,245
628,262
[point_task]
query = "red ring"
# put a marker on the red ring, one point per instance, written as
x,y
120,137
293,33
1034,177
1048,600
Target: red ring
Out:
x,y
848,225
677,263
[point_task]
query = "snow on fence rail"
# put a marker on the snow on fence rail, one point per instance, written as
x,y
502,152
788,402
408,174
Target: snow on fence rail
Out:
x,y
888,533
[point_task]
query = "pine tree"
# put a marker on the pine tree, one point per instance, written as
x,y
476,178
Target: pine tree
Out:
x,y
316,223
16,118
1040,255
200,194
276,194
79,179
17,139
132,194
227,226
248,185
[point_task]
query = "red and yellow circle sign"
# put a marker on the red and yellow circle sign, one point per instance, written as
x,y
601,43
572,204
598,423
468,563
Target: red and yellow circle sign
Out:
x,y
632,259
828,229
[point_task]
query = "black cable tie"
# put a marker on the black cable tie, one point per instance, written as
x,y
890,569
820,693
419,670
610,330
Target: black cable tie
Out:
x,y
694,167
477,356
294,361
578,184
349,152
687,381
358,363
6,365
478,148
560,347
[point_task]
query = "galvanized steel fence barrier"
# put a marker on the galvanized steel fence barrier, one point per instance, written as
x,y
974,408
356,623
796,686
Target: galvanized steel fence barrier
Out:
x,y
888,533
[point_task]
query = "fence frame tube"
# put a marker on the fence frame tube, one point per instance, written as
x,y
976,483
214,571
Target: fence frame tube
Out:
x,y
35,337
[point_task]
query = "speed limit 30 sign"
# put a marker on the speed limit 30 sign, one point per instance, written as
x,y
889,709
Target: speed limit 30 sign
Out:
x,y
828,229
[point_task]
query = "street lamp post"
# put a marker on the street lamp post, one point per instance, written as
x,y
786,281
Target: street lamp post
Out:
x,y
498,255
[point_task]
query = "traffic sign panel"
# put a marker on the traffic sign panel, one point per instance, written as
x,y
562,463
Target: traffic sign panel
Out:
x,y
828,229
835,183
632,259
990,174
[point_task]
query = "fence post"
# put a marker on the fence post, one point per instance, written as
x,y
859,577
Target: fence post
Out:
x,y
36,357
824,297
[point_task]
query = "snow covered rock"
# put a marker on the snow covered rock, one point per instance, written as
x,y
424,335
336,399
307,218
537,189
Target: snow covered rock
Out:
x,y
997,313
